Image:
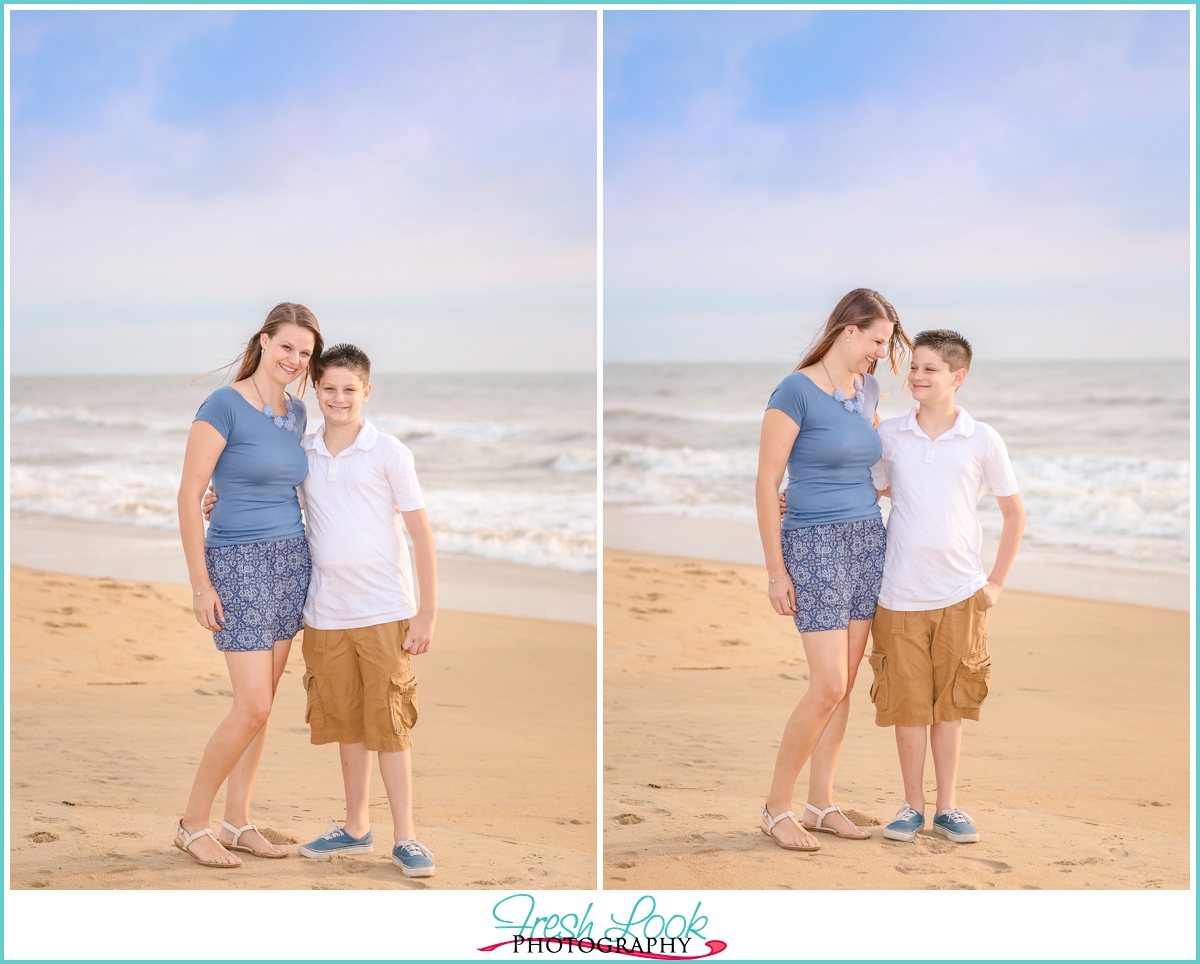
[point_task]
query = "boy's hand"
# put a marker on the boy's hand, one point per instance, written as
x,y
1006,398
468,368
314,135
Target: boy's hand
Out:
x,y
991,592
783,503
210,499
420,634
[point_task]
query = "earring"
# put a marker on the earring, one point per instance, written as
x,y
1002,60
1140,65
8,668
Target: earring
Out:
x,y
847,340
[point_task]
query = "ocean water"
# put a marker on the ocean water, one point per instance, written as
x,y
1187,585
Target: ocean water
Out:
x,y
507,462
1101,449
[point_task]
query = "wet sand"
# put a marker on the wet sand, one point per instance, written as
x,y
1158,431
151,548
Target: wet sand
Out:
x,y
1077,774
115,690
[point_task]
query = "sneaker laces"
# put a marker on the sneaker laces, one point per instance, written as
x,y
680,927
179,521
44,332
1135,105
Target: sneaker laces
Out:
x,y
954,815
414,848
906,810
332,830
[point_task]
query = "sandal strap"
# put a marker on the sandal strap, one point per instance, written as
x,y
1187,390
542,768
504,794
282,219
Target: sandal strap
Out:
x,y
189,837
822,814
237,831
771,821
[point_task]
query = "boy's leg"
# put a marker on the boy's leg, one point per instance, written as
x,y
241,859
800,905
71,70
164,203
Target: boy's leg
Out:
x,y
356,778
945,738
396,770
910,746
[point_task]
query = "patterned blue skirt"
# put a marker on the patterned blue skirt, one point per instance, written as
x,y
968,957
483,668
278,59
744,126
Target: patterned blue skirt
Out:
x,y
262,586
837,570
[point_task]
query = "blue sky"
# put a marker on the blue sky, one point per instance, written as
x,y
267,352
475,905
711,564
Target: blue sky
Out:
x,y
1020,175
424,181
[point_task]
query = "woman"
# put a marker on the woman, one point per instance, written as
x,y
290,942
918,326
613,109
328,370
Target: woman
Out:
x,y
826,565
250,573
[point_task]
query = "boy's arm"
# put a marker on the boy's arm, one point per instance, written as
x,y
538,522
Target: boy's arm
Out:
x,y
420,627
1010,539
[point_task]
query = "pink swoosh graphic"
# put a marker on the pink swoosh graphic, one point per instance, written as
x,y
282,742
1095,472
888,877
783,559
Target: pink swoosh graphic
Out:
x,y
714,947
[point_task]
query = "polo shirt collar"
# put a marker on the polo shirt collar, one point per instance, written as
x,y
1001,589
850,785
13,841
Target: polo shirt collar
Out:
x,y
367,436
964,425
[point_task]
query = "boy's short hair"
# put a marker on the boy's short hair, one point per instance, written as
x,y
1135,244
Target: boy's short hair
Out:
x,y
951,347
344,355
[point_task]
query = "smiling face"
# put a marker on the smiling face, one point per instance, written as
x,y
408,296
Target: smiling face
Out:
x,y
341,393
285,354
930,380
867,345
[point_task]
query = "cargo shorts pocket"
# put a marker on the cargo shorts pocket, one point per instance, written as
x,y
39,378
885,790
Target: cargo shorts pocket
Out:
x,y
313,714
971,680
402,700
879,685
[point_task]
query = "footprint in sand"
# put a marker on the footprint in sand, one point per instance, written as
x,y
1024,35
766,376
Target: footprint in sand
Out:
x,y
625,819
43,836
999,866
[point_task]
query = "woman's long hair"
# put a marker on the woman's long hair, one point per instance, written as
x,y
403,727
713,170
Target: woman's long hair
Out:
x,y
284,313
861,307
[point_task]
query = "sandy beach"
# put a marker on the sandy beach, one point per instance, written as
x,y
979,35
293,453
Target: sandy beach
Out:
x,y
115,689
1077,774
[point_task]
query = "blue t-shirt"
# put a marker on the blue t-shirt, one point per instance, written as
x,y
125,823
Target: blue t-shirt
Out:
x,y
257,473
829,470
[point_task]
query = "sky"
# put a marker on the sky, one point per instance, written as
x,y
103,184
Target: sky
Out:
x,y
424,181
1022,176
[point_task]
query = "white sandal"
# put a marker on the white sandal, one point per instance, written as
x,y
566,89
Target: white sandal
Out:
x,y
822,814
187,842
768,827
237,834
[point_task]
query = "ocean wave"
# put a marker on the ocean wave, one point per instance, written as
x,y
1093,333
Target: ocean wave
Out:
x,y
576,461
29,414
683,461
405,427
717,418
538,528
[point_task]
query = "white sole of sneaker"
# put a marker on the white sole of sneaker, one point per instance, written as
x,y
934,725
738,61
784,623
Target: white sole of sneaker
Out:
x,y
900,834
344,851
957,837
414,871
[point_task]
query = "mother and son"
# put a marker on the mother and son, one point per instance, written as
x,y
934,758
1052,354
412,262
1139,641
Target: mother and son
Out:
x,y
917,586
257,577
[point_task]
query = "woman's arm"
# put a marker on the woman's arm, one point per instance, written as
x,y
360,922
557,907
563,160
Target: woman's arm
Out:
x,y
775,446
1013,511
420,627
204,446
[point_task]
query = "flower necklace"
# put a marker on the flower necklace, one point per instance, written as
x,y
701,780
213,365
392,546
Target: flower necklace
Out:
x,y
849,404
287,422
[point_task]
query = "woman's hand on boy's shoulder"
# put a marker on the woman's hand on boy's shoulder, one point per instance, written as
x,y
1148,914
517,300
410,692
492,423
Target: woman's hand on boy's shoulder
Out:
x,y
420,634
210,499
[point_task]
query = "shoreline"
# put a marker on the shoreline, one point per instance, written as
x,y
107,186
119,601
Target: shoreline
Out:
x,y
465,583
1081,577
1078,773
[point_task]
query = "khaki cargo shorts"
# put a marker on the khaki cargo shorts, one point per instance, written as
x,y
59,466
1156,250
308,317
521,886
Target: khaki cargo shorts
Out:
x,y
360,687
930,667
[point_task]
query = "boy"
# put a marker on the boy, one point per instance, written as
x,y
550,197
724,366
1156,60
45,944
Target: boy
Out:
x,y
929,650
361,623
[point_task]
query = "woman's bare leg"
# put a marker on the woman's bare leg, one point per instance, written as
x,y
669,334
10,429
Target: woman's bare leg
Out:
x,y
827,675
242,776
252,676
824,758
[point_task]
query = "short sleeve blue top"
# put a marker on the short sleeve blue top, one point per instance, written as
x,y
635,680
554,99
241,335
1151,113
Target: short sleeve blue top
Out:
x,y
829,471
257,473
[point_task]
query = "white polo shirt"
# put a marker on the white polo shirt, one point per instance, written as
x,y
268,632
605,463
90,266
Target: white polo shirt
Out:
x,y
361,575
933,530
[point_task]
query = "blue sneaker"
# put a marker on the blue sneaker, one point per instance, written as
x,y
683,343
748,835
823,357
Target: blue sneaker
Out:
x,y
335,840
413,859
955,825
906,823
